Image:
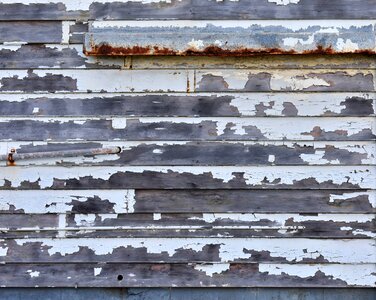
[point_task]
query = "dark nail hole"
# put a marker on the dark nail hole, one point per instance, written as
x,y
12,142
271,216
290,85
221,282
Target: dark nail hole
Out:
x,y
120,277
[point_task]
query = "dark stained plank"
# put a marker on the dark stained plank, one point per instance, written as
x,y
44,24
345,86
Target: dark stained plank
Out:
x,y
31,32
183,129
189,177
202,153
190,275
303,201
168,105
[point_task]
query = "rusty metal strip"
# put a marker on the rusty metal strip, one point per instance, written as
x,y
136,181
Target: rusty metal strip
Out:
x,y
12,156
231,38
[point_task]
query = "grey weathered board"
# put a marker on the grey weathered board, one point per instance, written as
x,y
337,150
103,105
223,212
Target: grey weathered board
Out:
x,y
254,171
186,9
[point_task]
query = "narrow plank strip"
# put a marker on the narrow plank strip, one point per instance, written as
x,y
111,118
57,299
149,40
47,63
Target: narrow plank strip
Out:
x,y
225,225
185,105
189,177
194,129
268,62
121,250
190,275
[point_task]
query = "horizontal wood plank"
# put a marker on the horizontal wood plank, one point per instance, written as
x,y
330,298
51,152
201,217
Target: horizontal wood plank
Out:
x,y
198,153
81,80
190,275
194,129
189,177
154,225
189,105
185,9
228,38
187,201
142,250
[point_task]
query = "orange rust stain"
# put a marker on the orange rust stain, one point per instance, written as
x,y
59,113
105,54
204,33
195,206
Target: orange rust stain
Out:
x,y
10,160
108,50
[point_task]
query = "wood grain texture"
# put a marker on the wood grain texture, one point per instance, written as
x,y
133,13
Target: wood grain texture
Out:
x,y
185,9
200,153
187,201
194,129
181,250
182,225
31,32
190,105
190,275
79,80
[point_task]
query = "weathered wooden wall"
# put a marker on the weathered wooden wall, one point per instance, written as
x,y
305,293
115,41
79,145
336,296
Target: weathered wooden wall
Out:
x,y
235,171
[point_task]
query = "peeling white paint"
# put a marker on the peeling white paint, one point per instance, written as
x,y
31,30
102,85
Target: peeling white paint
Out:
x,y
97,271
211,269
364,176
284,2
196,44
293,250
157,216
61,201
33,273
352,275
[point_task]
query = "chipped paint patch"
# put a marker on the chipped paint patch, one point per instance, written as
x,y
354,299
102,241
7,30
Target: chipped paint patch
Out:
x,y
211,269
284,2
33,274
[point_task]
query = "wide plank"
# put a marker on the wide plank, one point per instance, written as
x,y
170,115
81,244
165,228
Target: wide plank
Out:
x,y
159,249
196,153
183,129
185,9
186,201
190,275
186,105
188,177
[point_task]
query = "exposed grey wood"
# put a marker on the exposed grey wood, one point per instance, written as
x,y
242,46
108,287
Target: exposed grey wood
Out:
x,y
187,9
191,153
51,56
190,275
188,105
195,129
31,32
189,177
251,201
